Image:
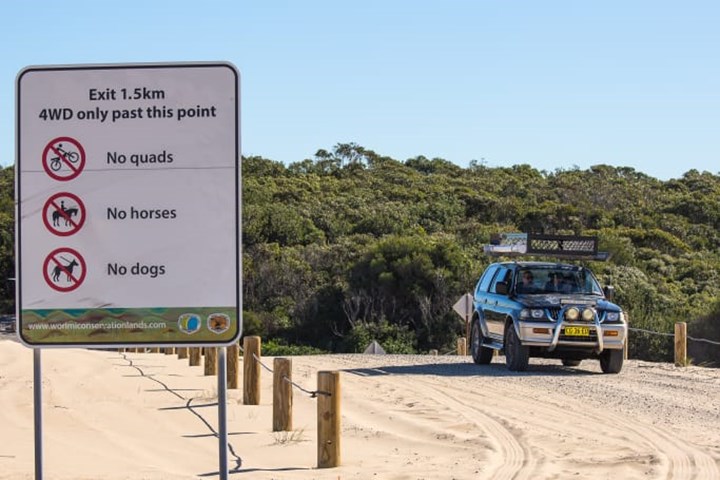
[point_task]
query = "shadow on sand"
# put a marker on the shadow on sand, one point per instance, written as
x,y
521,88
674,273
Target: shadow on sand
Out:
x,y
469,370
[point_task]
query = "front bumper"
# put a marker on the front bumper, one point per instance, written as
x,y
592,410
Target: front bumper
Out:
x,y
592,335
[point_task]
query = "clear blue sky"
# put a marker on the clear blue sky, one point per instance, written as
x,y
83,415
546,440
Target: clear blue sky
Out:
x,y
553,84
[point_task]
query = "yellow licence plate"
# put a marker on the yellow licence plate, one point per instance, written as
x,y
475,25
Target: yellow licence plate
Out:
x,y
577,331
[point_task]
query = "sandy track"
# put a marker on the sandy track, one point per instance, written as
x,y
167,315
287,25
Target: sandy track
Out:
x,y
151,416
651,421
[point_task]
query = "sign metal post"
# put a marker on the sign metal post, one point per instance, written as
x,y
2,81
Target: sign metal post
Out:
x,y
222,413
37,412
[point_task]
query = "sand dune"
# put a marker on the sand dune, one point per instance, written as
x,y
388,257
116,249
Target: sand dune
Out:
x,y
149,416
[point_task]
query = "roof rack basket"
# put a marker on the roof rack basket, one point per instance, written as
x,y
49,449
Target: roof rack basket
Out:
x,y
565,246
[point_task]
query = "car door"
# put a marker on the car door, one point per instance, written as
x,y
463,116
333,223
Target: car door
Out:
x,y
481,295
497,306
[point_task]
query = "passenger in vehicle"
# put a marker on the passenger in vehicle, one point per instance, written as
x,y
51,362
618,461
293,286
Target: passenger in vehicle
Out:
x,y
556,283
571,284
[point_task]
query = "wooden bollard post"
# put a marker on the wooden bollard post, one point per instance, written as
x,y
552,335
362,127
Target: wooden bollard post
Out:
x,y
681,344
251,371
182,352
626,349
210,360
328,419
434,352
282,395
195,357
233,365
461,346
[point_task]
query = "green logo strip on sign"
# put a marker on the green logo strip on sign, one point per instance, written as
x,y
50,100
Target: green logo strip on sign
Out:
x,y
135,326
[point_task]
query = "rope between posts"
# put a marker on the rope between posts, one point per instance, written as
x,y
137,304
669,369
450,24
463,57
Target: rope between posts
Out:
x,y
712,342
312,393
262,364
651,332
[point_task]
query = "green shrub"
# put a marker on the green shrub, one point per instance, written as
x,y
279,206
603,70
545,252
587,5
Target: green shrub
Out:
x,y
278,348
708,328
392,338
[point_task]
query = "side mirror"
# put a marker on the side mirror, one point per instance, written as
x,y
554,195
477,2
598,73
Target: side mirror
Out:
x,y
501,288
609,292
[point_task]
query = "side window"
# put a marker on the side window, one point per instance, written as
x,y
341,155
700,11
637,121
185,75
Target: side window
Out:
x,y
486,279
503,275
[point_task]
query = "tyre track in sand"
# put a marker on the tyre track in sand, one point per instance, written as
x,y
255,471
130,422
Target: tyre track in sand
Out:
x,y
682,460
514,461
508,458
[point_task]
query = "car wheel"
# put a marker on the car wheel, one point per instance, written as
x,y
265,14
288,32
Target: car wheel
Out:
x,y
517,355
569,362
481,355
611,361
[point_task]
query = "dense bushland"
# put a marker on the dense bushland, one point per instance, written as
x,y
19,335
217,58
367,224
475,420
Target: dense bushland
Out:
x,y
351,246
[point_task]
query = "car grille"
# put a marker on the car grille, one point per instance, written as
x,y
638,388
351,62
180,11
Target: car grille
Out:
x,y
554,313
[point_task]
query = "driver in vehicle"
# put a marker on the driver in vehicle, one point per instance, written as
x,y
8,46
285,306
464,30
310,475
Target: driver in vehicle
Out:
x,y
526,285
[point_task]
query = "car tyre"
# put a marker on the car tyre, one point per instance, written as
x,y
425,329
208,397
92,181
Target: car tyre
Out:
x,y
517,355
480,355
571,362
611,361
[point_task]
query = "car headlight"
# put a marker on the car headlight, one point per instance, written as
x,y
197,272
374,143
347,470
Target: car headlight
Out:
x,y
535,313
588,315
612,317
572,314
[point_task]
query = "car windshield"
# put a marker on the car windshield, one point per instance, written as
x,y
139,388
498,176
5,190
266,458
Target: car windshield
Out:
x,y
544,280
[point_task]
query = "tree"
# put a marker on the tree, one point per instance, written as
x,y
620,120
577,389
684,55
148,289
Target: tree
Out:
x,y
409,282
7,240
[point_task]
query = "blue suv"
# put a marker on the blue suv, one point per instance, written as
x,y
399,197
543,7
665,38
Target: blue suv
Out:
x,y
546,309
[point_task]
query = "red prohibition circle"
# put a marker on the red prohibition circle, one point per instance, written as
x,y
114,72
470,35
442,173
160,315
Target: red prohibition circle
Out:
x,y
64,271
60,216
54,159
